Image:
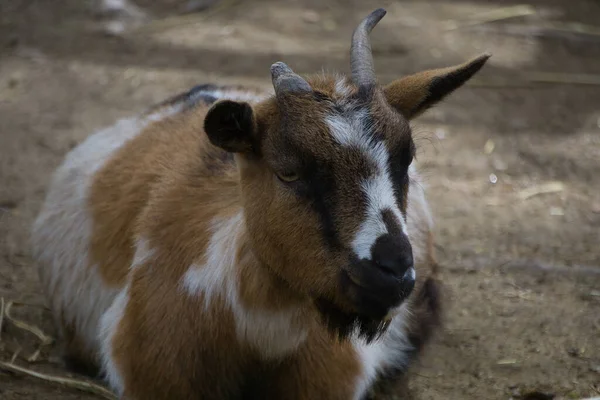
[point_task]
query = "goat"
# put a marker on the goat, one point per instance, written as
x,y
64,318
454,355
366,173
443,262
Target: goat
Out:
x,y
230,243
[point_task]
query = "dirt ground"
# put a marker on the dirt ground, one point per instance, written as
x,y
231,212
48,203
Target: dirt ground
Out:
x,y
522,267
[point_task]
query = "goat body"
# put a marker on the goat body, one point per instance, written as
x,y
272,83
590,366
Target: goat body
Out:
x,y
182,257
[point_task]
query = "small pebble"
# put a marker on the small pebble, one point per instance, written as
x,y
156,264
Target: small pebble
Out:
x,y
489,146
557,211
493,178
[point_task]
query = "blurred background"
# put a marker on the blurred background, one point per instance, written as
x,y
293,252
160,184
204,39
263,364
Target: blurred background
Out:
x,y
512,160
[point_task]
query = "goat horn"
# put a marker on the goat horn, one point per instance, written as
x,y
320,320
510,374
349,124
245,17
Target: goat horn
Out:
x,y
286,81
361,58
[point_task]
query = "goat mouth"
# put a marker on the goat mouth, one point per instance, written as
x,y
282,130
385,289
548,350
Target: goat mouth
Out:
x,y
361,308
375,301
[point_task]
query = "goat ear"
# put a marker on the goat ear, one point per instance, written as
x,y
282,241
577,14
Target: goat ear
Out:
x,y
414,94
231,126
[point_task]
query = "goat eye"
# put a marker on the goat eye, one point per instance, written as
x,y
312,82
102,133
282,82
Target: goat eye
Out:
x,y
288,177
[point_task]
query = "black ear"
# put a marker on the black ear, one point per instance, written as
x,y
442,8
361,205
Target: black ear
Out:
x,y
230,125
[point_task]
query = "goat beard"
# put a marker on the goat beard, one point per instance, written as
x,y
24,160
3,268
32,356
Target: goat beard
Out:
x,y
342,324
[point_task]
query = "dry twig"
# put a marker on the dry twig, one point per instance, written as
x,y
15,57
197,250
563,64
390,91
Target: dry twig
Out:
x,y
15,355
36,305
67,382
46,340
507,362
34,357
548,187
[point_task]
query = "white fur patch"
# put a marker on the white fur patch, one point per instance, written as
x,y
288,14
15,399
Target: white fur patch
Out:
x,y
380,196
164,113
388,351
351,131
143,253
108,327
63,229
217,275
110,320
274,334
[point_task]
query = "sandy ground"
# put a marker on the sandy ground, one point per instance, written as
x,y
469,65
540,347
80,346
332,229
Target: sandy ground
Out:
x,y
522,268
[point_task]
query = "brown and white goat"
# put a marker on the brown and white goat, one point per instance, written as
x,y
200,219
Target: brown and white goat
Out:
x,y
264,246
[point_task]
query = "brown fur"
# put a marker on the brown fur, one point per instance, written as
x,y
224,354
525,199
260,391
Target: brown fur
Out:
x,y
122,190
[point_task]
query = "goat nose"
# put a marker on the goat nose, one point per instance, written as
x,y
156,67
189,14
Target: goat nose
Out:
x,y
393,254
401,267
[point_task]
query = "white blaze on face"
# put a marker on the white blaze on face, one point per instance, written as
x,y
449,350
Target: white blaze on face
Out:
x,y
352,131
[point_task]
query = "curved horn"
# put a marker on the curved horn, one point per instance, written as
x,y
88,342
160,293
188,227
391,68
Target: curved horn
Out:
x,y
361,59
286,81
